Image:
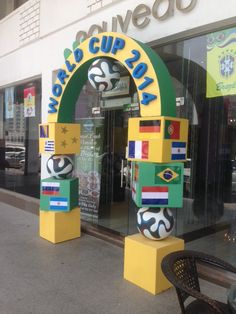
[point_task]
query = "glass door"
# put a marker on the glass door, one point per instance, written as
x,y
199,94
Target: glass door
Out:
x,y
115,173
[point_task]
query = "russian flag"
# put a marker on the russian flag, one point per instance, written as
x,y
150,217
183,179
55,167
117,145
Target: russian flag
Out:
x,y
155,195
178,151
50,188
138,149
58,203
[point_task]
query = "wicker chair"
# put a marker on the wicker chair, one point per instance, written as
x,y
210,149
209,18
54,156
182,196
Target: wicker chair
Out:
x,y
181,270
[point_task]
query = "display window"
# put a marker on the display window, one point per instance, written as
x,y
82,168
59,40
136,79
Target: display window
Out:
x,y
203,74
20,114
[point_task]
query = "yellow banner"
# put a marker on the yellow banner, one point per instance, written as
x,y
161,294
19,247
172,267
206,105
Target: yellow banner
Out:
x,y
221,63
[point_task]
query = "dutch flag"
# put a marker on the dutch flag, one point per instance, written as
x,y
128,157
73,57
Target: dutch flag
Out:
x,y
138,149
178,151
155,195
58,203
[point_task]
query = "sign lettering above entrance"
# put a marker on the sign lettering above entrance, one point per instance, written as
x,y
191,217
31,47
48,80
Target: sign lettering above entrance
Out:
x,y
140,17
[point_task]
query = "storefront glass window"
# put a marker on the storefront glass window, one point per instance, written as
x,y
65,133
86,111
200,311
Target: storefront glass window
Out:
x,y
209,211
207,219
20,113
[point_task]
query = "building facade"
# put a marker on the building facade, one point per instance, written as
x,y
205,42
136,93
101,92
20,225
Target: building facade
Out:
x,y
197,41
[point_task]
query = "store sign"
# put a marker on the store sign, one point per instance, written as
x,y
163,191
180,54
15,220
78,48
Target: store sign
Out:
x,y
139,17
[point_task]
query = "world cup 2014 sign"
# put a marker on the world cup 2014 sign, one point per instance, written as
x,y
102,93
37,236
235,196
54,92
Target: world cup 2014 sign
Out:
x,y
157,141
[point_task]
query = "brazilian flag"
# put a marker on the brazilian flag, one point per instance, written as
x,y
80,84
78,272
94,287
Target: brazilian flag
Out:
x,y
170,174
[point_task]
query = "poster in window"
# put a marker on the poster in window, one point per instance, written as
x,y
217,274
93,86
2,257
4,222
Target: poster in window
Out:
x,y
221,63
29,102
89,164
9,102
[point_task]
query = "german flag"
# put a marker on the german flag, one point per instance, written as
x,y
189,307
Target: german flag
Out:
x,y
150,126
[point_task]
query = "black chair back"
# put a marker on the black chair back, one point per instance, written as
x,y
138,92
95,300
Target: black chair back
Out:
x,y
180,268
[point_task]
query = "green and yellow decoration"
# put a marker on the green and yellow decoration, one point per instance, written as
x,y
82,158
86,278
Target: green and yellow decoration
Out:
x,y
157,146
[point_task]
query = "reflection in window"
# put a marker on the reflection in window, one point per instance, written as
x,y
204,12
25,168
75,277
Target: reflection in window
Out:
x,y
209,174
20,112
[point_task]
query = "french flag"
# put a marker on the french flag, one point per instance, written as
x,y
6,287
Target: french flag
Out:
x,y
138,149
178,151
155,195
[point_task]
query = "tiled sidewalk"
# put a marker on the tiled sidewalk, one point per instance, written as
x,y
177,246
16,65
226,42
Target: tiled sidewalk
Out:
x,y
82,276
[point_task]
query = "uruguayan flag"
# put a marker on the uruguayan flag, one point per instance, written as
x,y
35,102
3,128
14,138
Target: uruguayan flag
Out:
x,y
178,151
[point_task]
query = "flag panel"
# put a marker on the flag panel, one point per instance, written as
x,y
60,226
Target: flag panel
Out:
x,y
155,195
172,129
149,126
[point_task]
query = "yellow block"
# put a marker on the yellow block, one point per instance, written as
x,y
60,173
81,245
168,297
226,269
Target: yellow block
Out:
x,y
142,262
147,128
155,139
59,138
59,226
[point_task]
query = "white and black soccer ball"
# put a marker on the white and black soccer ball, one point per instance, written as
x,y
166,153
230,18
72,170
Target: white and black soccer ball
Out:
x,y
60,166
155,223
103,74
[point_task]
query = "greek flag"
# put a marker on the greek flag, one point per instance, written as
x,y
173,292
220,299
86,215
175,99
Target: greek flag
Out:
x,y
49,146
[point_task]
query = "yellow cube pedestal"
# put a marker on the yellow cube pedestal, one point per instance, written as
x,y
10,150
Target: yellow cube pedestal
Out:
x,y
59,226
142,262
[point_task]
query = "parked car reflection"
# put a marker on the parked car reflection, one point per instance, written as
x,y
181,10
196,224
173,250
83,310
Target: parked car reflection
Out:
x,y
13,156
13,160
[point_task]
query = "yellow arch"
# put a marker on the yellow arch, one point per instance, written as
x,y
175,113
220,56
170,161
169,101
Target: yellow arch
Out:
x,y
151,77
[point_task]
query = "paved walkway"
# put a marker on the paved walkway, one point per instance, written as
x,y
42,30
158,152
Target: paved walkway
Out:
x,y
82,276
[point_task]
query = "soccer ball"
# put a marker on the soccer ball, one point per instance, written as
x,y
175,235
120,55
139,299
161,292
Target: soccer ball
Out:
x,y
60,166
103,75
155,223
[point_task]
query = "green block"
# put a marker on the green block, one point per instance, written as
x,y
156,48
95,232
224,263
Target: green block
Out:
x,y
59,195
157,184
